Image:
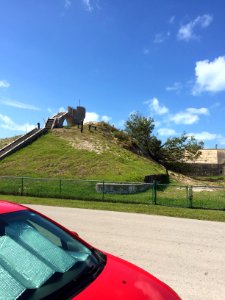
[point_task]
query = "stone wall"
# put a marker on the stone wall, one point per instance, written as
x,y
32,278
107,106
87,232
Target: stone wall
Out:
x,y
204,169
211,162
211,156
208,156
221,156
121,188
160,178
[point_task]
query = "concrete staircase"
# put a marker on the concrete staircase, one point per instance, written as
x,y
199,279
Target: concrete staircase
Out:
x,y
55,121
50,123
21,142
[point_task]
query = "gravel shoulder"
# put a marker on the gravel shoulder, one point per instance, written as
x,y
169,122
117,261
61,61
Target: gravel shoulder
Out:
x,y
186,254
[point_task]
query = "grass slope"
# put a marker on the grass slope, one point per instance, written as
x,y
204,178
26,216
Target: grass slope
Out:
x,y
198,214
68,153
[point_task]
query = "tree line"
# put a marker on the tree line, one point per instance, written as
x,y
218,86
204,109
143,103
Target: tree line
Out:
x,y
172,151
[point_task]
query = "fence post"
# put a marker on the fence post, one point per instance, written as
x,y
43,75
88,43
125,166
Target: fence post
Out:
x,y
103,190
190,196
21,186
154,192
187,197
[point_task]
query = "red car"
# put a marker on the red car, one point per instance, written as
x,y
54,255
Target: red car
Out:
x,y
40,259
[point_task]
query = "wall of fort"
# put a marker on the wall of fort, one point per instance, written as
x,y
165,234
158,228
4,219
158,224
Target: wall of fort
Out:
x,y
211,162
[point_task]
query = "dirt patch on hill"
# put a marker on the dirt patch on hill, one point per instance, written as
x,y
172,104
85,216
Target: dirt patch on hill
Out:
x,y
92,146
185,180
82,141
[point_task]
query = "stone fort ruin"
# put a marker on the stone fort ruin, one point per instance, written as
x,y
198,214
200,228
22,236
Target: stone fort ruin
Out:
x,y
211,162
72,116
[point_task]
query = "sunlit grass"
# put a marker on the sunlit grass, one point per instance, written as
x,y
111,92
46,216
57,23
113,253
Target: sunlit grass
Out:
x,y
123,207
58,154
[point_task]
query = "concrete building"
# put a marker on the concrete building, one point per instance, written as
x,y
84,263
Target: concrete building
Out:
x,y
211,162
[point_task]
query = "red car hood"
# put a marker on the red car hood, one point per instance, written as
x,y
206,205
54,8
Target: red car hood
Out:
x,y
120,280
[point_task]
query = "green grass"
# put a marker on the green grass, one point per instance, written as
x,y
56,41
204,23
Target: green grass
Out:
x,y
68,153
219,178
214,199
122,207
167,195
206,198
73,189
172,195
96,155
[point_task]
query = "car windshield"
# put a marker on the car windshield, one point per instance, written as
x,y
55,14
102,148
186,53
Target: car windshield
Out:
x,y
39,260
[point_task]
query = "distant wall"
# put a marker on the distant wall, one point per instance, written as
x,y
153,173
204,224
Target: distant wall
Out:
x,y
211,162
221,156
202,169
210,156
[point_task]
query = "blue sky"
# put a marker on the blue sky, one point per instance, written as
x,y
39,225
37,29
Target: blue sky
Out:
x,y
165,59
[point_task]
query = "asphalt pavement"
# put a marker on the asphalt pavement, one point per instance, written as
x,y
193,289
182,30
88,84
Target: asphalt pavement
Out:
x,y
189,255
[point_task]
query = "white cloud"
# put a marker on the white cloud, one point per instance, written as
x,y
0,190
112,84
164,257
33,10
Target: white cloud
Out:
x,y
157,123
176,87
210,76
161,37
189,116
156,107
91,117
184,118
54,112
207,136
88,5
62,109
198,111
215,105
166,131
221,139
18,104
67,3
120,124
7,123
187,31
94,117
172,19
4,84
106,119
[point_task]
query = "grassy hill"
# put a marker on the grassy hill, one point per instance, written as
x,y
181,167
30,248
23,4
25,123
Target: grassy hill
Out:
x,y
6,141
68,153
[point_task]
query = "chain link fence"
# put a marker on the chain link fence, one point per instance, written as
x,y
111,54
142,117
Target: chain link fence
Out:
x,y
204,197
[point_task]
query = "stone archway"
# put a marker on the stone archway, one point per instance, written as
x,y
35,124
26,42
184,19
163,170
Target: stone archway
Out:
x,y
72,116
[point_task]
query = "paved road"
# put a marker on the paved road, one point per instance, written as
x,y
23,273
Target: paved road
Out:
x,y
189,255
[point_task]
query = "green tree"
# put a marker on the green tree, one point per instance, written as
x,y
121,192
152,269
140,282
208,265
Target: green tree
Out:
x,y
179,149
175,150
140,129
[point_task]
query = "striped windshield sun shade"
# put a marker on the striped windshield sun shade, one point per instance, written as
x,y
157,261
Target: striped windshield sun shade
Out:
x,y
28,260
